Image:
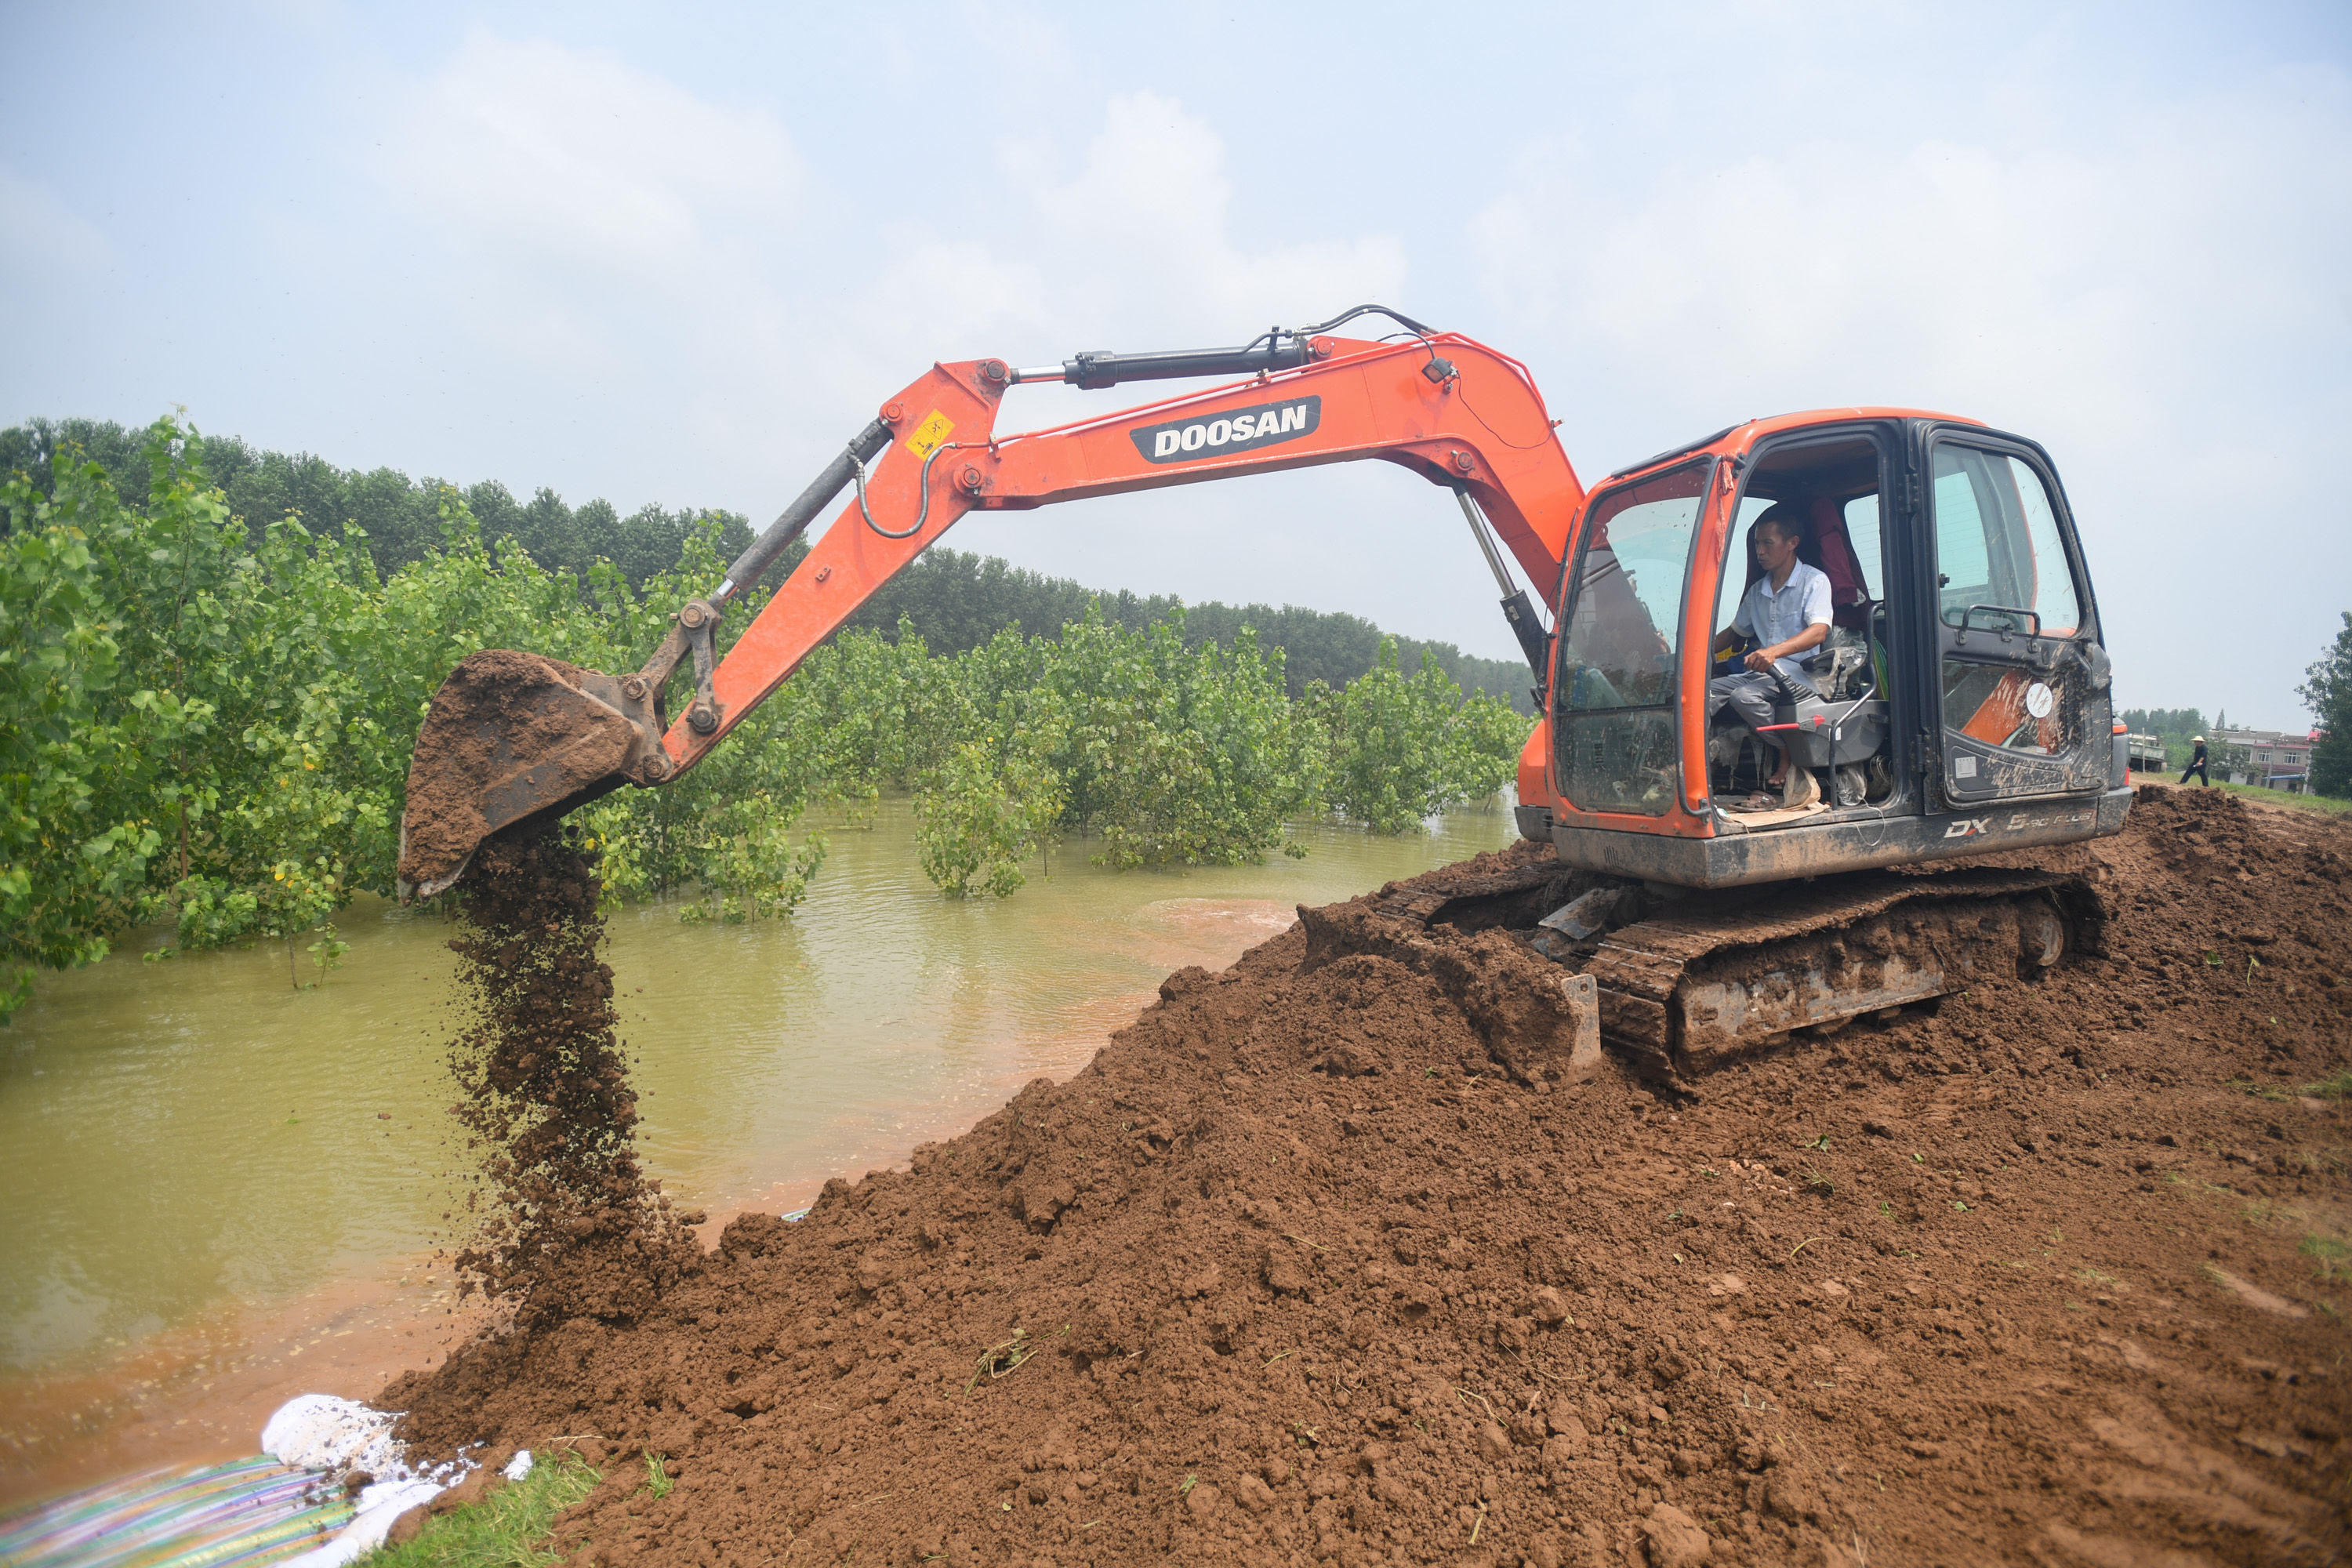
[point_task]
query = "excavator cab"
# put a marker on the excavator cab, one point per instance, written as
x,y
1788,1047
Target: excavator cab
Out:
x,y
1961,701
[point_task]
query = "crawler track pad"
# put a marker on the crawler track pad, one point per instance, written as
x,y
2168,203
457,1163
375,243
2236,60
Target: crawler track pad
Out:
x,y
1688,992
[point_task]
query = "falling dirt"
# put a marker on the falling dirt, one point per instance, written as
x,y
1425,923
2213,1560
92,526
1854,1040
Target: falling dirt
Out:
x,y
567,1224
1325,1260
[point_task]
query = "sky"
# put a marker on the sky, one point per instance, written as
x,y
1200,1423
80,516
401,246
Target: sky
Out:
x,y
679,255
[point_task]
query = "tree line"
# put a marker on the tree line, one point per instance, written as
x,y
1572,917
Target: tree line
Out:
x,y
954,601
211,723
399,518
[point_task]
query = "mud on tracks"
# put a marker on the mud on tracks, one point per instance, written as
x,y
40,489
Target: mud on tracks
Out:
x,y
1316,1262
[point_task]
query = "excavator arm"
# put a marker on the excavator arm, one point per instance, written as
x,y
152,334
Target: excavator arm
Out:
x,y
512,735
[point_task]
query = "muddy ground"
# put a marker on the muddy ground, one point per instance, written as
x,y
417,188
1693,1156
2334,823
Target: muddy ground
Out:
x,y
1317,1262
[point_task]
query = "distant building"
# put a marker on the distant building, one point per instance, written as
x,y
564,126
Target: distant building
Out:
x,y
2273,758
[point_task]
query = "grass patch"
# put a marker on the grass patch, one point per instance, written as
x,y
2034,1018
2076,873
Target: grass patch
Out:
x,y
2324,805
2327,1255
2336,1088
504,1530
2258,1090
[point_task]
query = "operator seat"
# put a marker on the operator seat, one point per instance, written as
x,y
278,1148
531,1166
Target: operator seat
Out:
x,y
1831,551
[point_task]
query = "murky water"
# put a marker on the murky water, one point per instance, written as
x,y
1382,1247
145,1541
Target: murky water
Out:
x,y
194,1142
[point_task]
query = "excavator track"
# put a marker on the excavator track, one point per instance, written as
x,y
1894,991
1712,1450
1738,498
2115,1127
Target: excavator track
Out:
x,y
1687,991
1696,980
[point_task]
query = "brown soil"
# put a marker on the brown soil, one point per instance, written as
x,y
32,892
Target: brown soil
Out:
x,y
1316,1262
496,708
571,1227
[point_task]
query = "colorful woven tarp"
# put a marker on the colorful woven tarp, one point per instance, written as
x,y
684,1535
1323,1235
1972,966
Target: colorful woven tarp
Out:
x,y
246,1513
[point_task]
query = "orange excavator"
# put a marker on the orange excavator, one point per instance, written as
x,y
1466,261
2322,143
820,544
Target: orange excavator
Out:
x,y
1958,705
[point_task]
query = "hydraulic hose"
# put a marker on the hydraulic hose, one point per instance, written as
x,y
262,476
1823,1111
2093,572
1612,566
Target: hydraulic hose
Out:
x,y
794,520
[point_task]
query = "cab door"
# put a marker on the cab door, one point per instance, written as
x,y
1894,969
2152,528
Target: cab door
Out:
x,y
2022,679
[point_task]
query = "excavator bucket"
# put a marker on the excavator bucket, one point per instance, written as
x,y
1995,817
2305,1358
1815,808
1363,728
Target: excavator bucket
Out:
x,y
511,735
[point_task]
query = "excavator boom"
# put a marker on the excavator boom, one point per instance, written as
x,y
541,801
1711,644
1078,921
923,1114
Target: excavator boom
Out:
x,y
511,735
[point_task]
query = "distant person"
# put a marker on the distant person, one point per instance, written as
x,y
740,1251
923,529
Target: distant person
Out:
x,y
1787,612
2196,765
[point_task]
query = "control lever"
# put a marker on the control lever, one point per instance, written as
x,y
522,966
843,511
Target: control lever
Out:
x,y
1788,689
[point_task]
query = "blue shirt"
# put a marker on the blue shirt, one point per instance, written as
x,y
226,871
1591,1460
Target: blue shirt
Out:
x,y
1773,619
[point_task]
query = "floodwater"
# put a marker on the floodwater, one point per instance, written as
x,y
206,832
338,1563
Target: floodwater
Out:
x,y
211,1175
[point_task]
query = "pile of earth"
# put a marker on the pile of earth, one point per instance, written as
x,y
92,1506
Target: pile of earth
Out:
x,y
1327,1259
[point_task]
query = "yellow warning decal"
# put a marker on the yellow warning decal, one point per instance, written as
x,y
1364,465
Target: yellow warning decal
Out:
x,y
934,429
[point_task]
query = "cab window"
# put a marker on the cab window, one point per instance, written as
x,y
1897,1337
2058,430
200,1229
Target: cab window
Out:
x,y
1862,528
1999,561
1613,692
1621,619
1832,485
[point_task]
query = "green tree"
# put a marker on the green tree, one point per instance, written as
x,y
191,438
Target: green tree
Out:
x,y
198,721
2326,691
210,720
1400,751
88,789
1174,756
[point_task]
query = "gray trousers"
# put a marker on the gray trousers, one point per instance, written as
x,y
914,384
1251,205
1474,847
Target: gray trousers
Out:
x,y
1750,695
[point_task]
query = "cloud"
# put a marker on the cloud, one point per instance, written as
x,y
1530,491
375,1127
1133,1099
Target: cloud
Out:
x,y
1133,242
586,233
2162,303
559,202
591,218
584,159
2205,236
42,238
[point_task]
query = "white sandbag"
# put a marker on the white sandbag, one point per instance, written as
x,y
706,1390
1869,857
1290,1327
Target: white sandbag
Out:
x,y
321,1432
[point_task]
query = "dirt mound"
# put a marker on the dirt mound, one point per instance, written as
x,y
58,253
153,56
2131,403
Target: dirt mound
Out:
x,y
1326,1258
568,1225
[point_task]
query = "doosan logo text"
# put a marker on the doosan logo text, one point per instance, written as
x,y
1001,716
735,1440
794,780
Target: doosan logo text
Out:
x,y
1244,429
